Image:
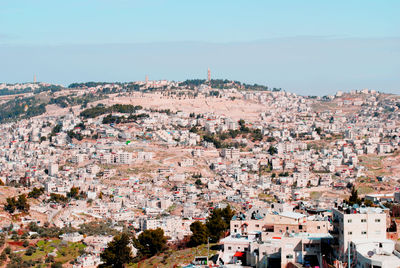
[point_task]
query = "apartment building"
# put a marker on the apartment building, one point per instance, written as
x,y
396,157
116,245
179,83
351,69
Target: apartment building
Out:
x,y
53,169
358,223
116,158
230,153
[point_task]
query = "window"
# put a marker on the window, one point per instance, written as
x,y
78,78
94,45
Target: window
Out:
x,y
257,225
377,220
349,233
290,256
349,220
363,220
363,232
318,227
229,248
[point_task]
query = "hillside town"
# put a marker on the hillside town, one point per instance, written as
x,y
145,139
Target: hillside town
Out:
x,y
310,181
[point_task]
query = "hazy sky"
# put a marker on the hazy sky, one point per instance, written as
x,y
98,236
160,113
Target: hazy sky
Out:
x,y
308,47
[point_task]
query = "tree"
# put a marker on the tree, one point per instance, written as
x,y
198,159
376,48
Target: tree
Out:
x,y
216,225
30,251
25,235
58,198
194,130
22,203
272,150
49,259
218,222
257,135
56,265
25,243
3,256
242,126
354,199
2,240
73,193
200,234
36,192
11,205
15,237
227,215
152,242
118,252
56,129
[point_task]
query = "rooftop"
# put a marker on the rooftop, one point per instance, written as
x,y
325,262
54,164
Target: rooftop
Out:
x,y
356,209
311,235
375,251
293,215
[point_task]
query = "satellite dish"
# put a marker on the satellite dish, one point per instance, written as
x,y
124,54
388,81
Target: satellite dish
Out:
x,y
370,254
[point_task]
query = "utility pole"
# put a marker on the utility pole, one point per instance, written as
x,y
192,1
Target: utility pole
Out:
x,y
208,248
302,253
348,253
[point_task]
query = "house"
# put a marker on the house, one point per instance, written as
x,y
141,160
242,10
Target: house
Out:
x,y
72,237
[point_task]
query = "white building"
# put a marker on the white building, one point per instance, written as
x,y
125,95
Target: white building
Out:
x,y
72,237
360,224
53,169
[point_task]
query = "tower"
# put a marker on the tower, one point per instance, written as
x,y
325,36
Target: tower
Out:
x,y
34,78
147,79
209,75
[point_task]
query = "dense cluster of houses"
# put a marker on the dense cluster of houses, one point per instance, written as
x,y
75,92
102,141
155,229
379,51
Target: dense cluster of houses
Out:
x,y
286,187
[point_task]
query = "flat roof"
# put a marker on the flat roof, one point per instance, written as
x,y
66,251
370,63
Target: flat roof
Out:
x,y
293,215
311,235
237,239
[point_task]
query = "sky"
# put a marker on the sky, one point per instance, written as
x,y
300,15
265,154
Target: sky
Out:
x,y
309,47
